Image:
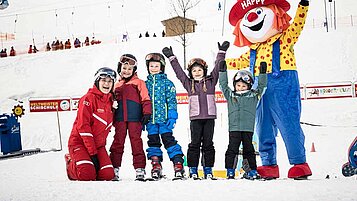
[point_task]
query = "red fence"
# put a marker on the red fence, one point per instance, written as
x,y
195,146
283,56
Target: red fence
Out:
x,y
308,91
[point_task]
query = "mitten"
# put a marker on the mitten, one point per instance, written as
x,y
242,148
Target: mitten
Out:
x,y
171,123
263,67
304,2
167,52
146,118
95,161
224,46
222,66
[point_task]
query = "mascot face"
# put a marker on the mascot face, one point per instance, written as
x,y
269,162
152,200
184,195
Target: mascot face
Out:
x,y
257,24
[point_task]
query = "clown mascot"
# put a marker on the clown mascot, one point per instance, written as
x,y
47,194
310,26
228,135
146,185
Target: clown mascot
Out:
x,y
264,26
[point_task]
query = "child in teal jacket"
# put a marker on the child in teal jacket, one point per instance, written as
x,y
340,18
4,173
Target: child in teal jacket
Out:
x,y
242,102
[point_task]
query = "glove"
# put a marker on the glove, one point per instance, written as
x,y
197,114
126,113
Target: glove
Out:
x,y
304,2
171,123
115,104
145,119
263,67
224,46
95,161
167,52
222,66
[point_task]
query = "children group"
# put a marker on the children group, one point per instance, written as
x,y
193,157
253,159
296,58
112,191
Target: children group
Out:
x,y
132,105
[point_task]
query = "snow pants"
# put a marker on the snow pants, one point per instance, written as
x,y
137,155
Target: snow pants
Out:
x,y
174,150
82,168
235,139
117,148
280,108
201,138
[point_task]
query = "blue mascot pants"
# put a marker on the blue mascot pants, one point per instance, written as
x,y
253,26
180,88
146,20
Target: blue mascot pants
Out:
x,y
280,108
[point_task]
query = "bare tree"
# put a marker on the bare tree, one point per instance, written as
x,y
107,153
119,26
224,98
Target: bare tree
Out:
x,y
180,8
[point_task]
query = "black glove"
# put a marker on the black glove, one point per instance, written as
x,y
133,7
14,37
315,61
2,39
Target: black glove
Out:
x,y
263,67
222,66
224,46
304,2
145,119
167,52
95,161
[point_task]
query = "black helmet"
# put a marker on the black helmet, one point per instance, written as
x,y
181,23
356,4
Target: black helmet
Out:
x,y
197,62
244,76
129,59
103,73
156,57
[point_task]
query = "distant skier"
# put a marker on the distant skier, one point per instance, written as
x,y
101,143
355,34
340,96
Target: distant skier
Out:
x,y
88,158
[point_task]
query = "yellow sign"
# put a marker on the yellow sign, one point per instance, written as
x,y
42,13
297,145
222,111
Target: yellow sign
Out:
x,y
18,110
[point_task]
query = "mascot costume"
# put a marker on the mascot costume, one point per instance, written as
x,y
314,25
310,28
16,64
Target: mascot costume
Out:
x,y
263,26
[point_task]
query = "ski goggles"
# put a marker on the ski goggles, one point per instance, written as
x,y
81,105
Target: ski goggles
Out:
x,y
127,60
105,75
197,61
153,57
106,72
244,77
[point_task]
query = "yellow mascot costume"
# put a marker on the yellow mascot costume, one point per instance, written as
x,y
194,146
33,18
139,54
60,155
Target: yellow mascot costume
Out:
x,y
264,26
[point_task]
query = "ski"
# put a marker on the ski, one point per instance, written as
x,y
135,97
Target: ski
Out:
x,y
178,178
141,179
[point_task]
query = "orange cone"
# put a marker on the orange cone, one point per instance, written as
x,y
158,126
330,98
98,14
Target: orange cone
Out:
x,y
313,148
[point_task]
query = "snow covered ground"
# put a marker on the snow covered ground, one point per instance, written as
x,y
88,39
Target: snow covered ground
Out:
x,y
321,57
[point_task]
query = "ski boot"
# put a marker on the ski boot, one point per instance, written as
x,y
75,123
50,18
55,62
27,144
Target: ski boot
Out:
x,y
116,174
140,174
268,171
179,171
208,173
299,171
251,175
231,173
193,173
156,172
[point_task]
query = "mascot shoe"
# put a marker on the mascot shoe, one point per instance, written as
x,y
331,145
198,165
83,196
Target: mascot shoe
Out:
x,y
300,171
269,172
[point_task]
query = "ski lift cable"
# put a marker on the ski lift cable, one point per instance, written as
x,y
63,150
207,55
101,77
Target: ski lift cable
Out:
x,y
14,13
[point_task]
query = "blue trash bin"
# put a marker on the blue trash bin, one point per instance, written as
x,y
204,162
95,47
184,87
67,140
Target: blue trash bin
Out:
x,y
10,138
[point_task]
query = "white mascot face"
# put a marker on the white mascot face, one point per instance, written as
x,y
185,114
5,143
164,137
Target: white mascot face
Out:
x,y
257,24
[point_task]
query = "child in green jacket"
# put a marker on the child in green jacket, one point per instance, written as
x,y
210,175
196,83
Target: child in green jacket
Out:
x,y
242,102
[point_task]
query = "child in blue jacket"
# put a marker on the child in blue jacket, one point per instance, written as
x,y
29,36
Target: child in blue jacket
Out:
x,y
162,93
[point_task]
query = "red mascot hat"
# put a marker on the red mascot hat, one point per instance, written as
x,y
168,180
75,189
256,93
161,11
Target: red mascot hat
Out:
x,y
242,6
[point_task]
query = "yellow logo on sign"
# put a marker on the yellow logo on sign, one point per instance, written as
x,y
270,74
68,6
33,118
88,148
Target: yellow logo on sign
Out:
x,y
18,110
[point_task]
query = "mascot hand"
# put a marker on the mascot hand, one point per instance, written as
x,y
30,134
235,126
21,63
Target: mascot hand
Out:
x,y
224,46
222,66
304,2
167,52
263,67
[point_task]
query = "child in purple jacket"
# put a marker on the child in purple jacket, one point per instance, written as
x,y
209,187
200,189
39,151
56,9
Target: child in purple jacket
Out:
x,y
202,108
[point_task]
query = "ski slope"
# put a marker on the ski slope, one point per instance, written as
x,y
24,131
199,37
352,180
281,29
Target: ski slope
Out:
x,y
321,57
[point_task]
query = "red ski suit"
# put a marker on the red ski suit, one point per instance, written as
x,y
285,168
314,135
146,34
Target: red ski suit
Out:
x,y
133,102
88,137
